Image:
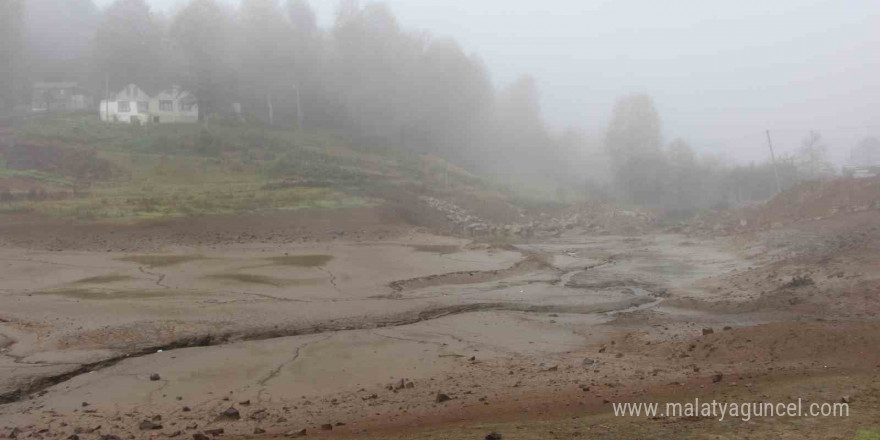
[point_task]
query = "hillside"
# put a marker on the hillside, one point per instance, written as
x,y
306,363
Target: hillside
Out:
x,y
77,167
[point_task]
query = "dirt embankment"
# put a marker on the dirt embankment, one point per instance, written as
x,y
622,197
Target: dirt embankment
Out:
x,y
805,202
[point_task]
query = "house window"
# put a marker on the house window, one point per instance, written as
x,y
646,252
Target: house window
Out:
x,y
186,106
124,106
143,106
166,106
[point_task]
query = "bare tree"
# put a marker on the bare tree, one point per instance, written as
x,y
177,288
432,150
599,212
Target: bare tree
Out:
x,y
813,156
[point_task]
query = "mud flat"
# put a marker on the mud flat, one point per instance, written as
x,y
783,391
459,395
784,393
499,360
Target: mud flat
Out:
x,y
297,336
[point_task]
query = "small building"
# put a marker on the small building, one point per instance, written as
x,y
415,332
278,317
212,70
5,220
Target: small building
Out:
x,y
133,105
65,96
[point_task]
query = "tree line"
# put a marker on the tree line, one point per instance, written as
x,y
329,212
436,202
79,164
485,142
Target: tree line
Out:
x,y
371,80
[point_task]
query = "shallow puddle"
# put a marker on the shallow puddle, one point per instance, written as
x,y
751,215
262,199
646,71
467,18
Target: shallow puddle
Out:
x,y
265,280
110,294
161,260
301,260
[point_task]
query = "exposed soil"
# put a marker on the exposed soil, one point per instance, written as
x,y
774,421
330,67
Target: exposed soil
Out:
x,y
348,325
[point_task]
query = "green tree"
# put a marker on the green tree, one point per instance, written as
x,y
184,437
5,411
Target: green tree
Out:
x,y
633,144
266,58
201,32
130,46
11,42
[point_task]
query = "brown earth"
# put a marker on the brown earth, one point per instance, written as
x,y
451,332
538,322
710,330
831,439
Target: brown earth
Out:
x,y
538,344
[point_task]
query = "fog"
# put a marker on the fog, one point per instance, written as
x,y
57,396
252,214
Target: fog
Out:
x,y
720,72
669,106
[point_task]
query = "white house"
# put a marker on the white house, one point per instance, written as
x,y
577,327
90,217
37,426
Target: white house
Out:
x,y
133,105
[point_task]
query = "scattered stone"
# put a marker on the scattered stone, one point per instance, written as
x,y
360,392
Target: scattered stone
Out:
x,y
588,362
472,358
200,436
618,355
259,430
441,398
727,328
410,384
192,425
245,402
214,432
259,414
493,436
155,376
85,404
72,437
327,427
708,331
147,425
229,414
846,399
717,378
175,433
110,437
186,409
300,433
553,368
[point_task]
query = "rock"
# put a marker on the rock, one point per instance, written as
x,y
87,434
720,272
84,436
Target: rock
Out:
x,y
587,362
200,436
727,328
441,398
259,430
493,436
553,368
147,425
72,437
602,350
245,402
327,427
410,385
229,414
186,409
717,378
84,404
708,331
300,433
192,425
259,414
846,399
155,376
175,433
110,437
13,433
214,432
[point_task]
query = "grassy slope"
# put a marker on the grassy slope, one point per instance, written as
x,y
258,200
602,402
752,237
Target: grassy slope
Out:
x,y
204,169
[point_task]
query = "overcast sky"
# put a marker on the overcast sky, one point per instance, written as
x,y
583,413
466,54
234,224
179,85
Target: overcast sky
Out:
x,y
720,72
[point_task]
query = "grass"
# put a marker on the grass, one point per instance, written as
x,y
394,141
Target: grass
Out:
x,y
122,173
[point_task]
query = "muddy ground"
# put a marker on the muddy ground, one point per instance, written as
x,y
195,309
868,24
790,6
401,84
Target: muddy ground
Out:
x,y
349,324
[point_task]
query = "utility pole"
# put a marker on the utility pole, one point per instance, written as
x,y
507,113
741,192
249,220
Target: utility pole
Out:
x,y
106,97
773,157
